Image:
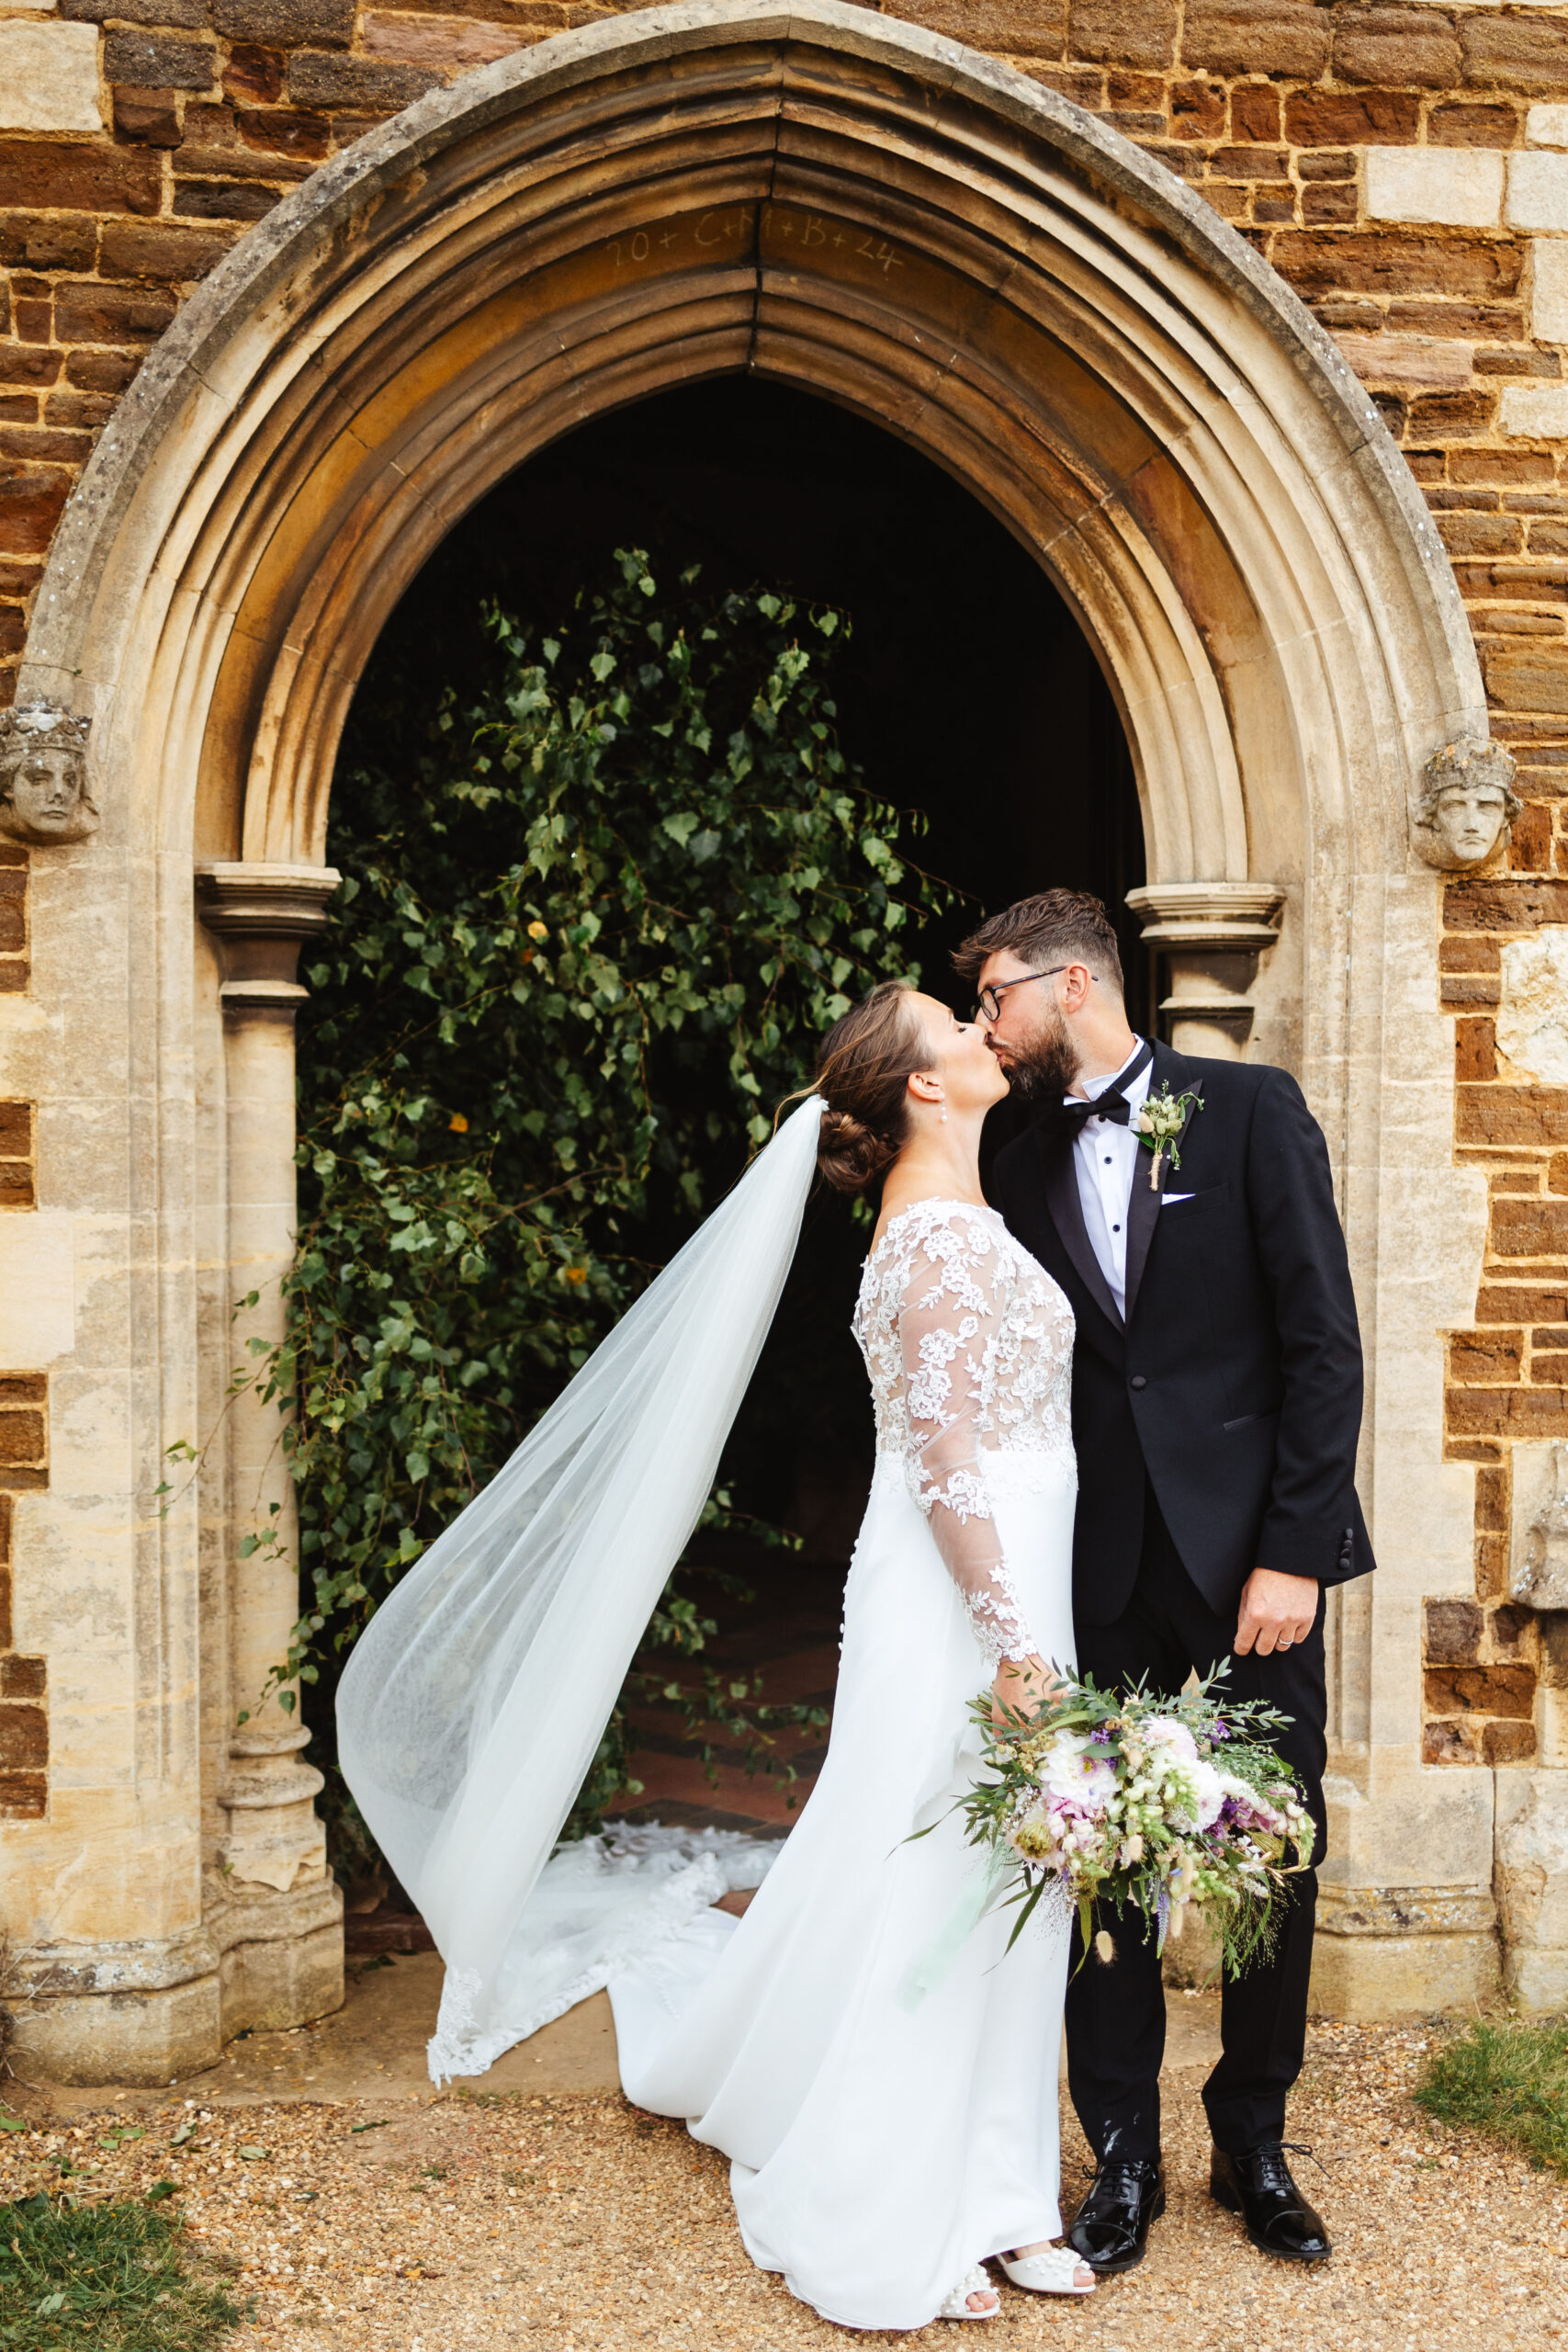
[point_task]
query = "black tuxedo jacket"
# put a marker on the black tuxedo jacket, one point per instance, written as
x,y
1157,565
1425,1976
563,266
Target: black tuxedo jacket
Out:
x,y
1235,1380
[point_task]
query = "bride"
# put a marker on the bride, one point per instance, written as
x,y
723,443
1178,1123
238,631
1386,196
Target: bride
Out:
x,y
882,2078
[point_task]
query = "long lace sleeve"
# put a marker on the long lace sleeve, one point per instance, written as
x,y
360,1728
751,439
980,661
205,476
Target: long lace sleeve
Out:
x,y
954,1295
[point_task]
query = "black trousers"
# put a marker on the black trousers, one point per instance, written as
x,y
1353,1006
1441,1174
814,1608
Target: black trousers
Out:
x,y
1116,2013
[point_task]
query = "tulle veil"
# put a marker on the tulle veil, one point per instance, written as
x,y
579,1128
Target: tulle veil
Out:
x,y
472,1703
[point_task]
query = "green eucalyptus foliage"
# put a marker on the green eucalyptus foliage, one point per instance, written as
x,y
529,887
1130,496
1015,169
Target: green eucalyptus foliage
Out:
x,y
589,932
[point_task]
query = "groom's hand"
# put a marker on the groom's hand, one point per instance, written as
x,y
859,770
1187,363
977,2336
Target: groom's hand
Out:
x,y
1276,1610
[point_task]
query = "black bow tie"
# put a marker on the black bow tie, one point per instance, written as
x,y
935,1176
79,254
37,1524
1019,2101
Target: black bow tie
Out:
x,y
1071,1117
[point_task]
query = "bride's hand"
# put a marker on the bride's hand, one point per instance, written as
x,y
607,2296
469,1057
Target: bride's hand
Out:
x,y
1022,1687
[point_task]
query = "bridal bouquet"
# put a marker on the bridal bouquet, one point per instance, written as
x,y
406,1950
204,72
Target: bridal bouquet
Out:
x,y
1160,1803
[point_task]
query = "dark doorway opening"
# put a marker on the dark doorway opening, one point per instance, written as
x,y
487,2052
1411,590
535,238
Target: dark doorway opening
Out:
x,y
965,690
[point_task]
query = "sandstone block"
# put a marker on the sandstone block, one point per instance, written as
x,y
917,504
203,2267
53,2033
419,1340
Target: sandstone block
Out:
x,y
1549,291
1197,110
1326,165
1486,1360
317,78
1375,1978
1506,1691
284,130
1424,361
1537,191
1547,126
254,73
171,256
1515,52
1532,1860
1450,1741
1480,534
38,176
1351,118
89,314
1006,27
24,1739
1528,678
1507,1743
1453,1630
1328,201
1500,1304
190,15
450,43
286,24
222,200
49,77
1256,37
1324,262
1422,184
1395,45
31,498
101,370
160,60
24,1796
1529,1228
1255,112
150,117
1476,126
1536,412
23,1677
1124,32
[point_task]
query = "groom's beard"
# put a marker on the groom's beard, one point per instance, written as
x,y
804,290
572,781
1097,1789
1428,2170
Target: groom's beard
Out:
x,y
1043,1069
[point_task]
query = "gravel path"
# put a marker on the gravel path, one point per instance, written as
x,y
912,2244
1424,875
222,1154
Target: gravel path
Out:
x,y
576,2224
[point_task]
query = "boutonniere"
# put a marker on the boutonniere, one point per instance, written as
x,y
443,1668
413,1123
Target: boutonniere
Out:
x,y
1159,1125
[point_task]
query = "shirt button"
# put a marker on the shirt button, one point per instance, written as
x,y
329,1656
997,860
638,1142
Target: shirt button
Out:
x,y
1115,1228
1137,1381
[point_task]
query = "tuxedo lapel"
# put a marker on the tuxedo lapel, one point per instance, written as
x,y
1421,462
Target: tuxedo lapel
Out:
x,y
1061,1187
1143,1209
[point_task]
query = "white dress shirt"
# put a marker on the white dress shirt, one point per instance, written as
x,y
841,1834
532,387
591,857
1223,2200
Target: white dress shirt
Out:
x,y
1107,1160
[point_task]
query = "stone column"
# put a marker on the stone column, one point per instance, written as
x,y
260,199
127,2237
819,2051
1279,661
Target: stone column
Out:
x,y
1210,936
279,1913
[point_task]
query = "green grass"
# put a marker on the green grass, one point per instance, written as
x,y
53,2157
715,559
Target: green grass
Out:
x,y
104,2278
1508,2078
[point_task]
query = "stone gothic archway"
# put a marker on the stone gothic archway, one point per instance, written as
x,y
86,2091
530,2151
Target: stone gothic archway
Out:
x,y
873,213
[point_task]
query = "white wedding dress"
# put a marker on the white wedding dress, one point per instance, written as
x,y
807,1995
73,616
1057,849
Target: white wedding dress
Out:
x,y
882,2079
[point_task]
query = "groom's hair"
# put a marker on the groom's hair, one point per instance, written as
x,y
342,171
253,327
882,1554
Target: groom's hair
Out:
x,y
1054,927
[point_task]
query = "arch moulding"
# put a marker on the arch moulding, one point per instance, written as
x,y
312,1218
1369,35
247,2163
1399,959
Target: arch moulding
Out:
x,y
875,214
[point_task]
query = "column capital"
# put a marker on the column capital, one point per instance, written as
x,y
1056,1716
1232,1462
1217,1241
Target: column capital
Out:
x,y
1241,915
262,914
1211,935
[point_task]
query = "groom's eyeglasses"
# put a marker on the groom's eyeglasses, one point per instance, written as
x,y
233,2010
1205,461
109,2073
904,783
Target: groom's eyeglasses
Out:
x,y
990,1005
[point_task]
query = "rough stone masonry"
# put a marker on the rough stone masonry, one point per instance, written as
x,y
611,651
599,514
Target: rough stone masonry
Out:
x,y
1404,167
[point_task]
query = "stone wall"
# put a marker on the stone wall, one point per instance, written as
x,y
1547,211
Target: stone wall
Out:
x,y
1404,167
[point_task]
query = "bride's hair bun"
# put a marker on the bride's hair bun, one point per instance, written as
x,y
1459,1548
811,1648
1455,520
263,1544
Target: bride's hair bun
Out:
x,y
851,1156
863,1075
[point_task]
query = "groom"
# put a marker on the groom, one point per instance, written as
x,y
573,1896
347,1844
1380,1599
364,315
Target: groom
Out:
x,y
1216,1403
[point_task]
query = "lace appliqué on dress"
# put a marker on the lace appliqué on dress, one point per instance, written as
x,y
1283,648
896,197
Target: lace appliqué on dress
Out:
x,y
968,1344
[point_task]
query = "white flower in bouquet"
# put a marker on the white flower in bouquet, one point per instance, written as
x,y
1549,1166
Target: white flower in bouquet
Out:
x,y
1163,1732
1079,1771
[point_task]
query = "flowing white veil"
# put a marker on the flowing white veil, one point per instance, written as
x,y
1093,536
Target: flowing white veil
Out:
x,y
472,1704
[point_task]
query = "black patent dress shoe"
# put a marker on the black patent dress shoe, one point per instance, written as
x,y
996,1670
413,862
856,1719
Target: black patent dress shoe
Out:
x,y
1112,2231
1277,2216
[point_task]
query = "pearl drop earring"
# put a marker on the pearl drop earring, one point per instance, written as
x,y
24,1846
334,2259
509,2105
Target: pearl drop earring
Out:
x,y
944,1118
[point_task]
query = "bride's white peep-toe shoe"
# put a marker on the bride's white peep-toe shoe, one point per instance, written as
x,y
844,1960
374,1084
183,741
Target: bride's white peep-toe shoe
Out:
x,y
1052,2272
973,2282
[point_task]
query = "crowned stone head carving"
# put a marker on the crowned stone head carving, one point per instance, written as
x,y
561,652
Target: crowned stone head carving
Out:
x,y
1466,804
43,775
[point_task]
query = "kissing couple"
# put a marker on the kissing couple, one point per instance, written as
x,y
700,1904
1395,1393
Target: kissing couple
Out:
x,y
1116,1412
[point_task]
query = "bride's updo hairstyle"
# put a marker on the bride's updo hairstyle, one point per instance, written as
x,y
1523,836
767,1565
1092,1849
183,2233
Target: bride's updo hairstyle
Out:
x,y
862,1074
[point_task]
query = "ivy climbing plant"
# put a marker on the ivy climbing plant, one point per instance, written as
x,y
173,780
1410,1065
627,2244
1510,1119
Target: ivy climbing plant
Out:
x,y
590,929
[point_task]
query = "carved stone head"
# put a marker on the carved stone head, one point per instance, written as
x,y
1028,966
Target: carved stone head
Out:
x,y
1466,805
43,775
